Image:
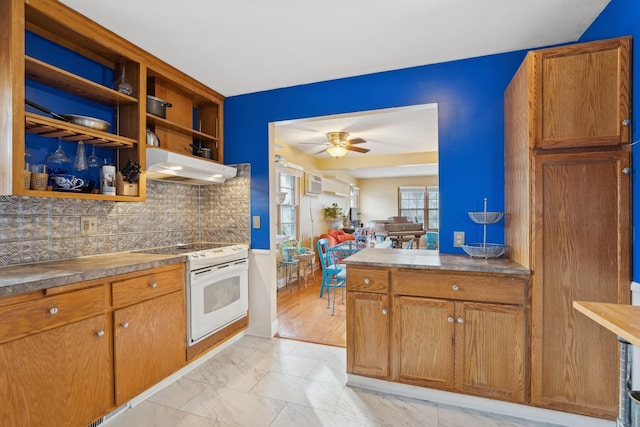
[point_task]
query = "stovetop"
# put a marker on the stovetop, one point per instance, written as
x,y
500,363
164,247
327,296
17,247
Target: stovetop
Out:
x,y
204,254
185,249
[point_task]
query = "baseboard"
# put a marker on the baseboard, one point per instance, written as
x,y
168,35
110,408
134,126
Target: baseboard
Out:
x,y
478,403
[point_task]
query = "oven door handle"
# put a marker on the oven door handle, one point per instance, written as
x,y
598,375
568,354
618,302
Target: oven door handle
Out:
x,y
242,265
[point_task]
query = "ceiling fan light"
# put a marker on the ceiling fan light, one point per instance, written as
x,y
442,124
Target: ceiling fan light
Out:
x,y
336,138
337,151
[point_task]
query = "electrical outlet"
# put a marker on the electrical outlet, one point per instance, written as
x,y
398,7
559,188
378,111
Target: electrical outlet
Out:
x,y
88,226
458,239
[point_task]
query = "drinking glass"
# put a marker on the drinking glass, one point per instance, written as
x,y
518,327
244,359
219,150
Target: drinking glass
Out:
x,y
80,163
93,160
121,84
58,156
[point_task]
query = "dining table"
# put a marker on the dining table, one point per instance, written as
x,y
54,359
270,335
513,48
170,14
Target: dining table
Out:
x,y
345,249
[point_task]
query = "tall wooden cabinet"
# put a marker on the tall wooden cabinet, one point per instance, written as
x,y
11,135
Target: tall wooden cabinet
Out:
x,y
567,205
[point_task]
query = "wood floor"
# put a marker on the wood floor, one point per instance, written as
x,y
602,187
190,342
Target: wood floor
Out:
x,y
304,316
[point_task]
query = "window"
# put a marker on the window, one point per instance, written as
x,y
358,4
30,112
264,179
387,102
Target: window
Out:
x,y
354,206
418,203
287,221
433,199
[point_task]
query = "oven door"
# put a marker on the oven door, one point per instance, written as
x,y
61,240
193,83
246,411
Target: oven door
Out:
x,y
218,295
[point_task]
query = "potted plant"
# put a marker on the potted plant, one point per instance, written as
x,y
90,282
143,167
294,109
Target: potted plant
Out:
x,y
332,213
288,248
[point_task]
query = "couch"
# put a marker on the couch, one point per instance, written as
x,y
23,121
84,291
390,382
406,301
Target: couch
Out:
x,y
336,236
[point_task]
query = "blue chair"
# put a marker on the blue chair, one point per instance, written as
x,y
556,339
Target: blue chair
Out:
x,y
432,240
333,275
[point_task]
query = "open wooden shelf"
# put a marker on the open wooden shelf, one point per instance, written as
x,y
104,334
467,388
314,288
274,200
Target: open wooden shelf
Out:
x,y
58,78
158,121
52,128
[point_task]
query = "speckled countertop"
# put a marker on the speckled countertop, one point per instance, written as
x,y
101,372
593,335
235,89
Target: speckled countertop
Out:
x,y
21,278
431,260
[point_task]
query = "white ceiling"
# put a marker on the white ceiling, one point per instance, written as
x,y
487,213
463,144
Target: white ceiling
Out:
x,y
245,46
390,131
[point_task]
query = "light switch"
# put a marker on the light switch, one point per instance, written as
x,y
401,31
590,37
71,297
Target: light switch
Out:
x,y
256,221
458,239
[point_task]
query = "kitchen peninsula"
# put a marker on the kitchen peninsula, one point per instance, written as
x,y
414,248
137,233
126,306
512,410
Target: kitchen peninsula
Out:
x,y
448,322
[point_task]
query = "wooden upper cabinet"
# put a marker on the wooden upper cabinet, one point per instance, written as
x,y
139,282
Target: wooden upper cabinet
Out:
x,y
60,59
580,94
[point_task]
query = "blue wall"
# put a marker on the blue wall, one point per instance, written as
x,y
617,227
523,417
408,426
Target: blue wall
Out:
x,y
469,94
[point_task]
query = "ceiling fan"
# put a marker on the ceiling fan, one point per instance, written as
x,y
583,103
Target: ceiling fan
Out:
x,y
340,144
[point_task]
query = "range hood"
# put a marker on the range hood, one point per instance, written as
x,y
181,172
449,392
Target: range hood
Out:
x,y
169,166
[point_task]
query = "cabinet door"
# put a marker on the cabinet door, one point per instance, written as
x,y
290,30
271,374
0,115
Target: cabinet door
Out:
x,y
61,377
582,94
490,350
581,251
150,344
368,334
423,334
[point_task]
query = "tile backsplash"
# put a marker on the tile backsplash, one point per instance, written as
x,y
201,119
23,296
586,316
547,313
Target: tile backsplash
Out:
x,y
34,229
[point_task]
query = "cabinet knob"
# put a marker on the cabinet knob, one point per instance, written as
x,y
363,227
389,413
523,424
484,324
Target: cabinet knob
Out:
x,y
53,310
626,171
384,311
450,319
366,281
626,122
125,325
460,320
455,287
100,333
153,285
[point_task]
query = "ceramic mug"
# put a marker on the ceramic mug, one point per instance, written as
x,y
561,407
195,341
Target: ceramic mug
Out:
x,y
67,182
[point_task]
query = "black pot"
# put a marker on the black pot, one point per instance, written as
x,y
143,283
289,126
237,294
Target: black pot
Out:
x,y
157,106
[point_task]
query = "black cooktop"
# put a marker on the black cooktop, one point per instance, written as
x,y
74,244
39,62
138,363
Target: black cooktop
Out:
x,y
183,249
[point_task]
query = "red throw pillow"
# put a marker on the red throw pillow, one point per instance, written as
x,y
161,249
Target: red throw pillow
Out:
x,y
344,237
333,233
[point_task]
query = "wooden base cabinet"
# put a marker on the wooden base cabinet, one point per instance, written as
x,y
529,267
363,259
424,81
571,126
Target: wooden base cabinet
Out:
x,y
457,331
368,328
150,329
491,351
474,348
368,334
581,203
424,339
150,344
61,377
71,354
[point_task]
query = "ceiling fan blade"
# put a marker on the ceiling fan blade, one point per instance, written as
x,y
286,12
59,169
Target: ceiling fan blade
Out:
x,y
356,141
358,149
314,143
321,151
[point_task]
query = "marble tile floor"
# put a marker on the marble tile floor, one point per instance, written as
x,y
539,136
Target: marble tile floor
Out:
x,y
276,382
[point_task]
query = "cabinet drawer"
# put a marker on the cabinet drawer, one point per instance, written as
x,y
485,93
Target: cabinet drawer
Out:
x,y
20,320
147,286
498,289
367,279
